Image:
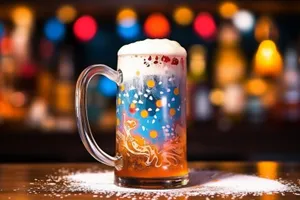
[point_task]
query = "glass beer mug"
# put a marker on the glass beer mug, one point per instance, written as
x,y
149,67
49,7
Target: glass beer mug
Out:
x,y
150,115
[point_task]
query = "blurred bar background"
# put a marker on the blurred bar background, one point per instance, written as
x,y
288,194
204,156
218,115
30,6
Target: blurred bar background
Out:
x,y
243,74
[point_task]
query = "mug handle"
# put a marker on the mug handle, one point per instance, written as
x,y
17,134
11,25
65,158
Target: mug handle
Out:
x,y
81,110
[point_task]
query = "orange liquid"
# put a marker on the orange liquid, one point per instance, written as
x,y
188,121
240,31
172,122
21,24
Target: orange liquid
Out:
x,y
152,163
154,172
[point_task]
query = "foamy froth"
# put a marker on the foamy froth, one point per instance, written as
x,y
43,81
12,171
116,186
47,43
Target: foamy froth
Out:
x,y
153,47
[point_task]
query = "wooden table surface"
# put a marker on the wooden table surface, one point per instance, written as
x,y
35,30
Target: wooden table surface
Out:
x,y
16,180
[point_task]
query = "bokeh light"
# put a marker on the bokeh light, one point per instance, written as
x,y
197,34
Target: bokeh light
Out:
x,y
125,14
66,13
127,25
269,98
46,48
8,65
28,70
256,87
18,99
197,60
183,15
227,9
268,61
54,30
85,28
243,20
216,97
130,31
205,26
2,30
63,100
6,45
234,99
230,66
22,16
265,29
107,87
228,35
157,26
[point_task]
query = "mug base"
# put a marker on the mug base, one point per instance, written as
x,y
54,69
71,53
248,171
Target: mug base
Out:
x,y
152,183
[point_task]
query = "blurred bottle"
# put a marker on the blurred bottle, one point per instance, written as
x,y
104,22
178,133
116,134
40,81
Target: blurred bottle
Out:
x,y
230,73
255,88
12,101
39,114
22,50
64,93
268,65
266,29
230,62
203,110
290,97
199,106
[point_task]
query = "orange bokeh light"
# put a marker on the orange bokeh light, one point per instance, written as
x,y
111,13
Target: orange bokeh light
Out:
x,y
6,45
157,26
228,9
256,87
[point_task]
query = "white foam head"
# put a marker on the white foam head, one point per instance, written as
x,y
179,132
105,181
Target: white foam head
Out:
x,y
153,47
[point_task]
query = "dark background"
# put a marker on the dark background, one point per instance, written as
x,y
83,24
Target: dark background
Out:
x,y
37,120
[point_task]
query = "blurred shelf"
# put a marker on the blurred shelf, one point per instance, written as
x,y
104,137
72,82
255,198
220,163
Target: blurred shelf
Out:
x,y
205,142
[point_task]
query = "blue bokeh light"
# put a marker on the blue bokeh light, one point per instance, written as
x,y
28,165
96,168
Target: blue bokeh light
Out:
x,y
128,29
54,30
2,30
107,87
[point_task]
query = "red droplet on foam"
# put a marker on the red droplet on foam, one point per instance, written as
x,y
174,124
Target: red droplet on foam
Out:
x,y
155,62
156,58
174,61
149,58
165,59
182,63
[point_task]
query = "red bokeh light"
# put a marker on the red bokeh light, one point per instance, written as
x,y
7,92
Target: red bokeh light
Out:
x,y
205,26
157,26
28,70
85,28
46,48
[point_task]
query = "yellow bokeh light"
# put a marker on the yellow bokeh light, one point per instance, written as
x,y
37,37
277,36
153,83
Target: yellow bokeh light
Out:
x,y
183,15
228,9
126,13
216,97
22,16
268,61
66,13
230,66
197,60
256,87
